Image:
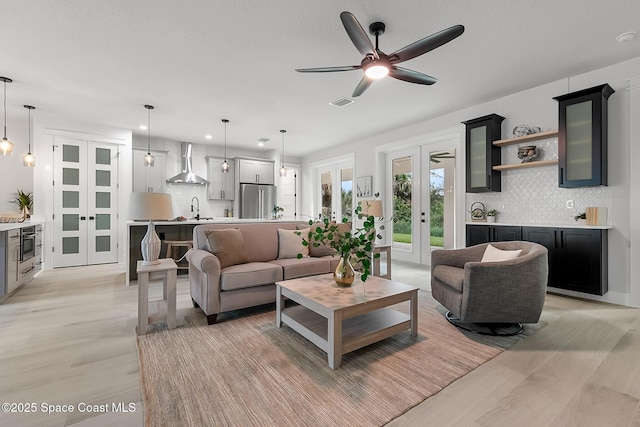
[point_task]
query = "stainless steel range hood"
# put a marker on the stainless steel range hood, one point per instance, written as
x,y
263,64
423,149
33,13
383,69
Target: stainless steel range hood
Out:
x,y
187,176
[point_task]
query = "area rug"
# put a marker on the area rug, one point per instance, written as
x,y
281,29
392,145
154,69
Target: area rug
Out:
x,y
243,371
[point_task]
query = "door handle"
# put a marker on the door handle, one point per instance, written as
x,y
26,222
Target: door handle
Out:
x,y
560,175
91,218
82,218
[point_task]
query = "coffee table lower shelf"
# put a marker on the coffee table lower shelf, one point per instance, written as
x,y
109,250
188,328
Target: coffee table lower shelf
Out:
x,y
357,332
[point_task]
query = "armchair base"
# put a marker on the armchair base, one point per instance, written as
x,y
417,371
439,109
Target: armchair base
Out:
x,y
495,329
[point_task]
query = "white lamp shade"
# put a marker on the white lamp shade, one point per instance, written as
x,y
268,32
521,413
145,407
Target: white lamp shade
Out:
x,y
150,206
372,207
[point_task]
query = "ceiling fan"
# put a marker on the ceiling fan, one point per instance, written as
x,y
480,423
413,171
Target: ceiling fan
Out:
x,y
377,64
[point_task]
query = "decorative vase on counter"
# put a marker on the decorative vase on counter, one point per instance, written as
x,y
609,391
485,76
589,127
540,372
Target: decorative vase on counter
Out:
x,y
344,274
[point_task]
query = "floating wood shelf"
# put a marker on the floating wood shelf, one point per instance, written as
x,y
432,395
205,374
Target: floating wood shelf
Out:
x,y
527,138
526,165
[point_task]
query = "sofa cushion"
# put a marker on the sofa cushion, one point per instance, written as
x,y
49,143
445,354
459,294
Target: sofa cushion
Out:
x,y
493,254
228,246
453,277
249,275
293,267
290,243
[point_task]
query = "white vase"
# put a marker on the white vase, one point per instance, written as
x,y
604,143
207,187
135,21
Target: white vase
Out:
x,y
491,218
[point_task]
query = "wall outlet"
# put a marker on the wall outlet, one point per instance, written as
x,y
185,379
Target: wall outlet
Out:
x,y
569,204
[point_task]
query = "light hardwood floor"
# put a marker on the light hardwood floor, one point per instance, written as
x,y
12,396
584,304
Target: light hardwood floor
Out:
x,y
68,338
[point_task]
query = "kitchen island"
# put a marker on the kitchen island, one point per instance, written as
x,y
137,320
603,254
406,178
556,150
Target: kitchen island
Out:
x,y
173,230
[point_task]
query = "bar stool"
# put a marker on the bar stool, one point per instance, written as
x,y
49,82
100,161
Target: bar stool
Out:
x,y
173,251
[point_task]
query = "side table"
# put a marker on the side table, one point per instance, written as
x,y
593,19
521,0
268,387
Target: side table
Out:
x,y
376,261
167,269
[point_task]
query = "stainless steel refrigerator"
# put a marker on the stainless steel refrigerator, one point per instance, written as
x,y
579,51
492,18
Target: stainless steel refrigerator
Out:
x,y
257,200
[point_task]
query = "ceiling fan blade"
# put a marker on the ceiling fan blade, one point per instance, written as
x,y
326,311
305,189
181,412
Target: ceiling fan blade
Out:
x,y
362,86
328,69
357,35
426,44
411,76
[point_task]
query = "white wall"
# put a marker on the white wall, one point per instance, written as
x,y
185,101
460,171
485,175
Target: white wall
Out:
x,y
13,175
535,107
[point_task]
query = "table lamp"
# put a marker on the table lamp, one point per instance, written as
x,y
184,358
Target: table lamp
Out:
x,y
150,207
372,207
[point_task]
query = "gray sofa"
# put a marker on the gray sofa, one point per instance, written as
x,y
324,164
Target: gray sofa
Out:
x,y
478,292
217,289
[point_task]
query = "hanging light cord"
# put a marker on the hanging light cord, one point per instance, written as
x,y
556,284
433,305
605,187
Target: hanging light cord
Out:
x,y
148,130
225,138
283,132
5,109
29,152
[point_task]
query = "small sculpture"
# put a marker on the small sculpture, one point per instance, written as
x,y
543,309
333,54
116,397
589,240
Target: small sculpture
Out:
x,y
522,130
527,153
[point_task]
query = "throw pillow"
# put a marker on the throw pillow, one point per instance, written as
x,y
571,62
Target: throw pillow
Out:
x,y
228,246
493,254
290,243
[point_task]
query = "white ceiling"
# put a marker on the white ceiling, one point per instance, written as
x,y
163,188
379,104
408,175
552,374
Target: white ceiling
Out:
x,y
198,61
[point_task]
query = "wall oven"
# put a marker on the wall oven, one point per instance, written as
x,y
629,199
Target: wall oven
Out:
x,y
27,243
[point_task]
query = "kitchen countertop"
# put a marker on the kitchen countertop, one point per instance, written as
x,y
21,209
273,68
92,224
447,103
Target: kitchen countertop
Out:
x,y
576,225
214,220
6,226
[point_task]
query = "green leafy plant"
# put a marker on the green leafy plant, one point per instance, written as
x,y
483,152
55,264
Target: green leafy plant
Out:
x,y
357,245
277,209
23,199
492,212
581,215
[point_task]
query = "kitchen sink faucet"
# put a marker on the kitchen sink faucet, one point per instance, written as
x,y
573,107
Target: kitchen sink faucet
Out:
x,y
197,217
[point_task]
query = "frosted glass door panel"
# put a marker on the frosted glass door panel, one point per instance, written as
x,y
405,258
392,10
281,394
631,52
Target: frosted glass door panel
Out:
x,y
579,137
478,156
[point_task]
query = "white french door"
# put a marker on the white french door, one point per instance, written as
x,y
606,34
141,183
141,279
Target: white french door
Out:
x,y
336,191
85,202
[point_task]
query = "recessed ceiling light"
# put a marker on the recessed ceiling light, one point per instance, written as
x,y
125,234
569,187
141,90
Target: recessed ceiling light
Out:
x,y
208,136
260,144
143,127
625,37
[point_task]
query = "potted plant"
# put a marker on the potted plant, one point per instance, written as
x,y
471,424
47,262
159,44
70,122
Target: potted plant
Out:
x,y
492,215
581,218
353,247
24,201
276,211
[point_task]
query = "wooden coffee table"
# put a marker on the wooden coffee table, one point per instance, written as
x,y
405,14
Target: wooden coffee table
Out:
x,y
340,320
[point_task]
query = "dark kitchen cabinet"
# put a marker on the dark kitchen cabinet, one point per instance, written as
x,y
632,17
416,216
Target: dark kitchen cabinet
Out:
x,y
582,137
578,257
477,234
481,154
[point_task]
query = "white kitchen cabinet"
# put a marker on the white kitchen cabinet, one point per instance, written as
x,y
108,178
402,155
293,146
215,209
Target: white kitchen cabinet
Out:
x,y
149,179
221,185
255,171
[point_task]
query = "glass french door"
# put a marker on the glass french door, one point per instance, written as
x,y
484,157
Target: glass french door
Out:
x,y
404,178
336,191
85,203
438,223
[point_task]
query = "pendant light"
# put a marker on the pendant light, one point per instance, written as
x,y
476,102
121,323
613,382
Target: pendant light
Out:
x,y
283,170
29,160
149,160
225,165
6,146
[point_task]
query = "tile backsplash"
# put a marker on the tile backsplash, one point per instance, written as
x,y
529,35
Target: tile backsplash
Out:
x,y
532,196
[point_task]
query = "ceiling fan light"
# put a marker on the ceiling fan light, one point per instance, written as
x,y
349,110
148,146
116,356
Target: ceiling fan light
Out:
x,y
6,147
149,160
376,71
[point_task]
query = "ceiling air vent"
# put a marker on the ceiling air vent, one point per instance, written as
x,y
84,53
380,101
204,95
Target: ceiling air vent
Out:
x,y
341,102
263,140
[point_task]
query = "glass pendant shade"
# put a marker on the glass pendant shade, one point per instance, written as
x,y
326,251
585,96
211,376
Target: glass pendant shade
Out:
x,y
149,160
283,169
29,160
6,146
224,167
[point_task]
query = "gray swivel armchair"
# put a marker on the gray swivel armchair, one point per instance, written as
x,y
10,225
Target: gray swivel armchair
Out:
x,y
492,298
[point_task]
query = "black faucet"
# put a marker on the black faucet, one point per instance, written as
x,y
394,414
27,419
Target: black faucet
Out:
x,y
197,208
